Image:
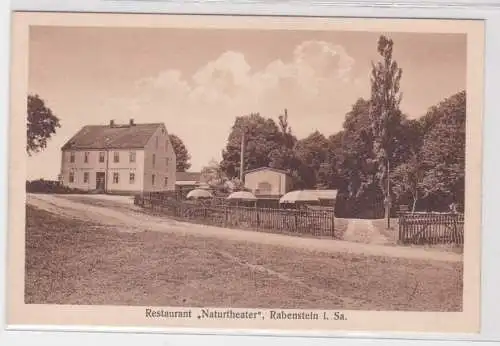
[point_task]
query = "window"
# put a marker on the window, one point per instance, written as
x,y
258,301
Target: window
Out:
x,y
264,188
153,179
154,160
132,156
86,157
156,142
101,156
132,178
72,157
116,178
85,177
71,177
166,181
116,157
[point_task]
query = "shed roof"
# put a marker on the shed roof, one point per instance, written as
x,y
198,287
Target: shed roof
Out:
x,y
266,169
112,136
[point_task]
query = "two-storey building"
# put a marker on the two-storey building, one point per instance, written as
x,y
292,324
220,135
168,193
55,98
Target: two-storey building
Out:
x,y
119,158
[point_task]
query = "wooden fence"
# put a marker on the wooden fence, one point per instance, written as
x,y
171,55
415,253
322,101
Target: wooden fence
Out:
x,y
316,223
431,228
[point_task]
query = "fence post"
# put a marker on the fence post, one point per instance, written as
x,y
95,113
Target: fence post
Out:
x,y
333,224
401,227
225,216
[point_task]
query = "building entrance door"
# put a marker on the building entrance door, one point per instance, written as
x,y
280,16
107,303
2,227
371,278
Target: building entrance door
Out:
x,y
100,181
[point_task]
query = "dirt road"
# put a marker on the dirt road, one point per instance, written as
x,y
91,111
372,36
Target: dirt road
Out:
x,y
120,213
362,231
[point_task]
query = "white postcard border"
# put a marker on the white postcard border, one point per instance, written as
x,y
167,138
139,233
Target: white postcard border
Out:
x,y
489,191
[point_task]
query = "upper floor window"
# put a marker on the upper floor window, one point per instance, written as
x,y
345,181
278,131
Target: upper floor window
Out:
x,y
86,157
132,156
156,142
154,160
101,156
116,157
166,144
116,178
72,157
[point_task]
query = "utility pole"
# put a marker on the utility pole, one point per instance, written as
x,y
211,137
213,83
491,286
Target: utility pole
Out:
x,y
388,197
242,156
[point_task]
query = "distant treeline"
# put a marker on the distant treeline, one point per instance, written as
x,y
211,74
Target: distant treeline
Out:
x,y
427,161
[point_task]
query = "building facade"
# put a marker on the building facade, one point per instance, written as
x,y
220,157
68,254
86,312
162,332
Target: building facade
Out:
x,y
268,182
119,159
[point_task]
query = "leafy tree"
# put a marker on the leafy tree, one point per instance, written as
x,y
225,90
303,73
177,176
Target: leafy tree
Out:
x,y
384,111
355,155
287,137
284,157
312,153
328,176
408,181
41,124
443,150
181,153
262,136
213,174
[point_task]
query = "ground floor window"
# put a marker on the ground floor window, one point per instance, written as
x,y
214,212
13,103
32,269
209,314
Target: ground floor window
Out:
x,y
153,179
86,177
116,178
166,181
71,177
132,178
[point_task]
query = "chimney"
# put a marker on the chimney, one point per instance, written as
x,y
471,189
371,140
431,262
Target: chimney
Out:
x,y
111,123
131,122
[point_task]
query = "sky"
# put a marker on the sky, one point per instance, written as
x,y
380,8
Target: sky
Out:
x,y
197,81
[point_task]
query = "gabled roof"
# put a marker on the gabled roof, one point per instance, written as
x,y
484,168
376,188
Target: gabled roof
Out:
x,y
112,137
266,169
188,176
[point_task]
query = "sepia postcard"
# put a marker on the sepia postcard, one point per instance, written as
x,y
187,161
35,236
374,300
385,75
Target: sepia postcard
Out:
x,y
278,174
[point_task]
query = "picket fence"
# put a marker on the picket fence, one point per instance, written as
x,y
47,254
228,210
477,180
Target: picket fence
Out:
x,y
315,223
431,228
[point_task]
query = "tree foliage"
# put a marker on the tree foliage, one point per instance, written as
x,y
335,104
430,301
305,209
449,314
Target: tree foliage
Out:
x,y
435,173
182,154
385,115
262,136
426,155
407,181
443,150
41,124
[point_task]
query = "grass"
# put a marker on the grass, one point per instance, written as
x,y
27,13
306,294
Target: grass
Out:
x,y
74,262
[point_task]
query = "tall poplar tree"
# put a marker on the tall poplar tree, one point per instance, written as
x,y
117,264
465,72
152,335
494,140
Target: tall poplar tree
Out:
x,y
385,115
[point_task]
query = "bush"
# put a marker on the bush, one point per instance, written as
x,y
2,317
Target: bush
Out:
x,y
50,186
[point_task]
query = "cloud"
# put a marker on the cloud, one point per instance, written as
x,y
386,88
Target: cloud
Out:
x,y
311,83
